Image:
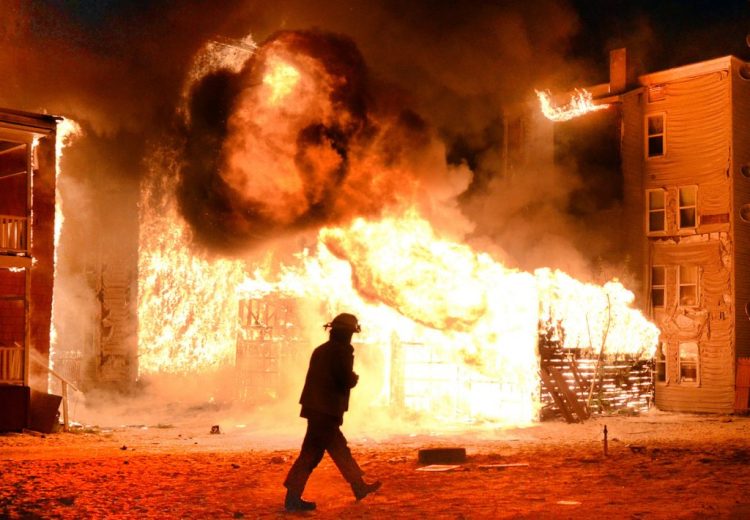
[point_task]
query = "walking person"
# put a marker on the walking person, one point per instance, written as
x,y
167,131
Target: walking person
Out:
x,y
325,398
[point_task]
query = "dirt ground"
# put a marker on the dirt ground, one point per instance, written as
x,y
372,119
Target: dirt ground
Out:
x,y
659,465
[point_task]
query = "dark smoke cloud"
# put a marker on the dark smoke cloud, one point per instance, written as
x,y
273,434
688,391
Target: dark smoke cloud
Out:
x,y
217,196
256,168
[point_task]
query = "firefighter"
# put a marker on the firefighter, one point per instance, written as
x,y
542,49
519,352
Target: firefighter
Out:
x,y
325,398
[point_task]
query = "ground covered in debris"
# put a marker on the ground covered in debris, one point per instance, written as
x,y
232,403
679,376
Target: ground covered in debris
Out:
x,y
658,465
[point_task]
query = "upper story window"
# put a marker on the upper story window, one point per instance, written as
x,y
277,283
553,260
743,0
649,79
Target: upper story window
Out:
x,y
657,211
655,135
688,204
658,286
688,285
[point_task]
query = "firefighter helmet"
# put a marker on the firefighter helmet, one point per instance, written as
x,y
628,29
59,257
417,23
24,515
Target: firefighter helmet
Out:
x,y
344,321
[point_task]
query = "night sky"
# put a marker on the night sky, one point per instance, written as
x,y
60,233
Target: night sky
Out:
x,y
441,53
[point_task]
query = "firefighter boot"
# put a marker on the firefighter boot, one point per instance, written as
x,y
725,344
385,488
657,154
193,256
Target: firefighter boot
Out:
x,y
362,489
294,502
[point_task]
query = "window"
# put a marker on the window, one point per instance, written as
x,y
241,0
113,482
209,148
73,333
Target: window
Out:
x,y
661,363
655,133
658,283
688,205
657,211
689,362
688,284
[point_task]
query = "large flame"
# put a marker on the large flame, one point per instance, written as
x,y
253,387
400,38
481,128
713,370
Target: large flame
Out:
x,y
581,102
67,131
455,328
476,317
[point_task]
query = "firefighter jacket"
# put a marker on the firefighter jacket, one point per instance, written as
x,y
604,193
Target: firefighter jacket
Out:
x,y
329,380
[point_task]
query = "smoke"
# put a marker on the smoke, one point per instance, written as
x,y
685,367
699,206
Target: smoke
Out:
x,y
297,140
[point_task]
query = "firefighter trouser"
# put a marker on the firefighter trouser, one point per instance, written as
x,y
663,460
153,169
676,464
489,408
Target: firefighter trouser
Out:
x,y
323,434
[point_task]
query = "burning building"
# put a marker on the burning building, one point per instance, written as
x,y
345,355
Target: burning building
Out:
x,y
27,246
679,141
685,158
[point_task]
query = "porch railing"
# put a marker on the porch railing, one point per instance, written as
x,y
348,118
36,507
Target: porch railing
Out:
x,y
14,234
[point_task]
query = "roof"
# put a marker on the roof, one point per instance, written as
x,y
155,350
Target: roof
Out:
x,y
40,123
694,69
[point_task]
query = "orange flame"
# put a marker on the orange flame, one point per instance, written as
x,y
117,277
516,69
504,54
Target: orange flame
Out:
x,y
67,131
464,326
580,103
472,323
281,78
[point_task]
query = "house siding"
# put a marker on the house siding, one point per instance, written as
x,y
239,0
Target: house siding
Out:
x,y
697,111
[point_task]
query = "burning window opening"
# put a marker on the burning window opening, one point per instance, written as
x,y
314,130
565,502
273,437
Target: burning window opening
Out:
x,y
581,103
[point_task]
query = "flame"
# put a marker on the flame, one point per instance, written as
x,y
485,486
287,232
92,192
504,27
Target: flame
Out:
x,y
196,294
67,131
581,102
281,79
467,325
456,329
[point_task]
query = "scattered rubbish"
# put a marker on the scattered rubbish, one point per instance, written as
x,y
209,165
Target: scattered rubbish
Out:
x,y
125,462
637,448
397,460
442,455
235,466
215,430
568,502
439,467
239,514
123,447
504,466
277,460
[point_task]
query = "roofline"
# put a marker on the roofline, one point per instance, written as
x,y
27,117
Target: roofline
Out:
x,y
39,122
693,69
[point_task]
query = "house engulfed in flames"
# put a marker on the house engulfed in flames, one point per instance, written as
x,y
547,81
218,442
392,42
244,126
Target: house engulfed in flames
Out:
x,y
681,141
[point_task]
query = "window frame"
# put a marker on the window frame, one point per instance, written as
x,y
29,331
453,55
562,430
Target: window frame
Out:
x,y
680,207
649,211
697,285
648,136
662,287
697,363
661,374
